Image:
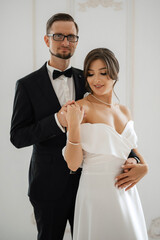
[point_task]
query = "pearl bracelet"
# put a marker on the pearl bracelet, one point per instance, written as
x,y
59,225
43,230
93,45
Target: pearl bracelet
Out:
x,y
76,144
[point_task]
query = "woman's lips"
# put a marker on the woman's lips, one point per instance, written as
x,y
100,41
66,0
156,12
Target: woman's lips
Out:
x,y
98,85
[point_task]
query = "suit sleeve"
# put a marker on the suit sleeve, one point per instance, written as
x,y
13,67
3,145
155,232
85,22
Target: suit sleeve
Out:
x,y
25,131
132,155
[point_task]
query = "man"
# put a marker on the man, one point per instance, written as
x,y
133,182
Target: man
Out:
x,y
37,120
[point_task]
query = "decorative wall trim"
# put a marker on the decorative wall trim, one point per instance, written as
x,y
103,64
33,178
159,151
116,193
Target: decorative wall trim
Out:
x,y
104,3
70,7
154,230
34,33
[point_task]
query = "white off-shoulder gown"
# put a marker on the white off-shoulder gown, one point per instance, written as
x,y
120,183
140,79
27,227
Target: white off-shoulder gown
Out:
x,y
102,211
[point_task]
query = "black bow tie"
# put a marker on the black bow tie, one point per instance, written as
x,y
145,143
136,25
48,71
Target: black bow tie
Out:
x,y
66,73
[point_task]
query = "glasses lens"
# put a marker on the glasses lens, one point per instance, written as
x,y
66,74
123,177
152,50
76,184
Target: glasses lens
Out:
x,y
72,38
58,37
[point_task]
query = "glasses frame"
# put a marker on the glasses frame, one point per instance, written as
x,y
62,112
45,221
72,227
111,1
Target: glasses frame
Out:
x,y
64,36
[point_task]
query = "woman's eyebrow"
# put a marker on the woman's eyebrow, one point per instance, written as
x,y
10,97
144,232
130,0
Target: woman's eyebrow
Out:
x,y
98,69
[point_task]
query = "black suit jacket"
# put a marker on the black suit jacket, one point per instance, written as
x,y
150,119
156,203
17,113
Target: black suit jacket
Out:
x,y
33,123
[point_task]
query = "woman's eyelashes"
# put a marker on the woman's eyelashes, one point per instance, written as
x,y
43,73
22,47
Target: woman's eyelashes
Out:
x,y
92,74
103,73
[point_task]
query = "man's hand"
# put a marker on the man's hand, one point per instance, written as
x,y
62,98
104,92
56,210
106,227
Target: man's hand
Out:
x,y
129,161
61,115
128,179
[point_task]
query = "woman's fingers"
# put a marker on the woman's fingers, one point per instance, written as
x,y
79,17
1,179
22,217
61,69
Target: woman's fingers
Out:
x,y
130,186
69,103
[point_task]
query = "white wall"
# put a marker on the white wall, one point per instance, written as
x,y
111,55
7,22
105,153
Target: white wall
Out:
x,y
15,61
147,102
136,44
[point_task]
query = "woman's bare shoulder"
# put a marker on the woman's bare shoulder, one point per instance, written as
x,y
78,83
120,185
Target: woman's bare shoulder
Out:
x,y
126,111
83,102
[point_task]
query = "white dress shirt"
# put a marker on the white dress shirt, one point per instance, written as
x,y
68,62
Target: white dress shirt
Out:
x,y
63,87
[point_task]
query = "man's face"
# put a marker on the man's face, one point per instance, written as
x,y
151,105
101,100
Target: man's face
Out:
x,y
62,49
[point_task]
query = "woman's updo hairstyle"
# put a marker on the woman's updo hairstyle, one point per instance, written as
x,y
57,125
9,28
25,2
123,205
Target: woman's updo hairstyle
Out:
x,y
108,58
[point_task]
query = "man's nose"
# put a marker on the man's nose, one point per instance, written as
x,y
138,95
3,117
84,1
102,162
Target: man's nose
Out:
x,y
65,41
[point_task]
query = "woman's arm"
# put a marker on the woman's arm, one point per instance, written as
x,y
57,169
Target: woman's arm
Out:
x,y
73,151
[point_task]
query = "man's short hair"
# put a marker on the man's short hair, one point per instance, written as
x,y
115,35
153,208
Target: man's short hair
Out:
x,y
60,17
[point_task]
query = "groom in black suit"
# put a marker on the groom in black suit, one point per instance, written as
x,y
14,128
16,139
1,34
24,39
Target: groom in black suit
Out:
x,y
38,120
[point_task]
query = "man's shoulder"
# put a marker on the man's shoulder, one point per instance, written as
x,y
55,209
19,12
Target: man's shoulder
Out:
x,y
78,74
77,70
33,75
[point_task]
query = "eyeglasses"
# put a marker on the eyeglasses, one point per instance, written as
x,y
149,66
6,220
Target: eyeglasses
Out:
x,y
61,37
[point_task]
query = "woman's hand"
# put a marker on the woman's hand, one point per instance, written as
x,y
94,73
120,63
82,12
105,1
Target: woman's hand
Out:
x,y
74,115
129,178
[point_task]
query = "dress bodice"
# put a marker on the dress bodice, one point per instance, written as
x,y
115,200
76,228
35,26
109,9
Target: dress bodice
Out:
x,y
104,149
100,138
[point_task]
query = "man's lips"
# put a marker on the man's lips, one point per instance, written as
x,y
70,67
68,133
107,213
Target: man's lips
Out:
x,y
65,49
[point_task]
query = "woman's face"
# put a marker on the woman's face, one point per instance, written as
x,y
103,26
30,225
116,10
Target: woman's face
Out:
x,y
98,78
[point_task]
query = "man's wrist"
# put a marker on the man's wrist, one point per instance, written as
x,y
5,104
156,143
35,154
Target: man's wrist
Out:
x,y
137,159
58,123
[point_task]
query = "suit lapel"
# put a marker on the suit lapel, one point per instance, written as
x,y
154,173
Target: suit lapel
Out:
x,y
79,83
45,84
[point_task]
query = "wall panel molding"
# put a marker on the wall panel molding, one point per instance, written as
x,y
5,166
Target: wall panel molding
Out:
x,y
34,33
130,56
78,7
116,5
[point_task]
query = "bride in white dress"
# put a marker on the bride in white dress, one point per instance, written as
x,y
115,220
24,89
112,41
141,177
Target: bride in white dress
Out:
x,y
100,137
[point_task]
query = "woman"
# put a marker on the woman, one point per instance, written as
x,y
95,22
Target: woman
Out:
x,y
100,137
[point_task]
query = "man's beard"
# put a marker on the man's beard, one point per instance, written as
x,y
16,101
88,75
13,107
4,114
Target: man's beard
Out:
x,y
62,56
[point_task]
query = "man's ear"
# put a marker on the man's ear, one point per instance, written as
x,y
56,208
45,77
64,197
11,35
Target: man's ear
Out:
x,y
46,39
